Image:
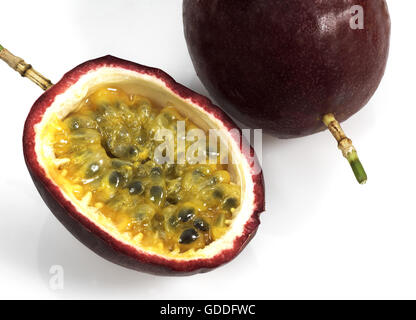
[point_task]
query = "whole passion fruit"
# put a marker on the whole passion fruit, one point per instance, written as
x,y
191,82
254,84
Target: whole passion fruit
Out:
x,y
91,145
282,65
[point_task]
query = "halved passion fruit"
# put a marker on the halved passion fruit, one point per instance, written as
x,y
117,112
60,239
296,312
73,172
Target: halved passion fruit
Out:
x,y
93,148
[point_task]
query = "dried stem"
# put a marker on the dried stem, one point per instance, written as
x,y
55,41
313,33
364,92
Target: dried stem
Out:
x,y
24,69
345,145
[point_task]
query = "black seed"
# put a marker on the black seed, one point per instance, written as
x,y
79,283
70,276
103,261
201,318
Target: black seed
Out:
x,y
133,151
172,199
135,187
115,179
156,172
188,236
218,194
75,124
173,221
201,224
141,139
157,222
156,193
186,214
93,169
230,203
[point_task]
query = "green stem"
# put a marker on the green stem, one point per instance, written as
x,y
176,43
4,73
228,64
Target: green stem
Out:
x,y
345,145
357,167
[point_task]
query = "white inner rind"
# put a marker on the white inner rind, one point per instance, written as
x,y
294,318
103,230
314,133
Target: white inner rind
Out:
x,y
157,91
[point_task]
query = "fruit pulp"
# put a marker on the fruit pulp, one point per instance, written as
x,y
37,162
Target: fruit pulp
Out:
x,y
105,155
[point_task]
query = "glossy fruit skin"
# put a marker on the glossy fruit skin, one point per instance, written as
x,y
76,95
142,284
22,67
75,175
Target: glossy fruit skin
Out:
x,y
280,65
98,239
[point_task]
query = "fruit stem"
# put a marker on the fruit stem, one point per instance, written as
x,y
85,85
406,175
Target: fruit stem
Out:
x,y
345,145
25,69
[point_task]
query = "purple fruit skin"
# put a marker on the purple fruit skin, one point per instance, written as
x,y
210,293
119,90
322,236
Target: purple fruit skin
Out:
x,y
280,65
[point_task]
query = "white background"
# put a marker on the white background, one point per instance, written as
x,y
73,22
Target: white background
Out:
x,y
323,235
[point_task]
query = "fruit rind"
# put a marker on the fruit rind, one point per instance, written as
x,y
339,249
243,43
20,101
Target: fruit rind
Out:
x,y
90,233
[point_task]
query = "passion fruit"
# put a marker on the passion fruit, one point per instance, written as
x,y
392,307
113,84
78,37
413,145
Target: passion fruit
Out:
x,y
290,67
91,147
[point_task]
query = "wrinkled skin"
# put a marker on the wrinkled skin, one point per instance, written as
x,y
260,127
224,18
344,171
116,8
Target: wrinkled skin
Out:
x,y
280,65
